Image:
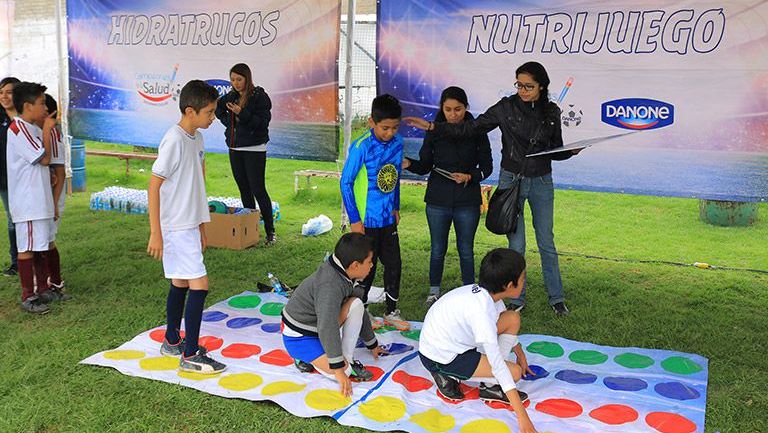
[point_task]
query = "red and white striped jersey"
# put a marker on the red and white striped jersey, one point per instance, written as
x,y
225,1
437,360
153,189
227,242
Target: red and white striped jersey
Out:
x,y
29,183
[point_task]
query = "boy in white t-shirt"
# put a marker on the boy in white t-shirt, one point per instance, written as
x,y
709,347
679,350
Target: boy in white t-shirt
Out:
x,y
29,193
178,207
468,334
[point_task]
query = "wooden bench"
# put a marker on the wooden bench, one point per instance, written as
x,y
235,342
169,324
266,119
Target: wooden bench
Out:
x,y
309,174
127,156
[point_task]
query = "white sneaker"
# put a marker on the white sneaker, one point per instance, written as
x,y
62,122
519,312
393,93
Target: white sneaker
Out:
x,y
394,319
376,323
376,295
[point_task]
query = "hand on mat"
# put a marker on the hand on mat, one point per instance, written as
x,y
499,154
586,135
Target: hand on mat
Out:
x,y
345,385
155,246
522,361
378,351
417,122
357,227
234,108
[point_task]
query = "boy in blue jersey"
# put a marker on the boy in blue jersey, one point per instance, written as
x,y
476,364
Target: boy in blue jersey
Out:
x,y
370,189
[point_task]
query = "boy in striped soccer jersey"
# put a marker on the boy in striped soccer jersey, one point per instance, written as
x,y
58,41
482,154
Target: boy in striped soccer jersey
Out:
x,y
370,189
30,194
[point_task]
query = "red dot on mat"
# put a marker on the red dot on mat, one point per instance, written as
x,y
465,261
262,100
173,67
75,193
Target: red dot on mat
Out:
x,y
560,407
377,372
240,350
614,414
411,383
210,342
278,357
158,335
666,422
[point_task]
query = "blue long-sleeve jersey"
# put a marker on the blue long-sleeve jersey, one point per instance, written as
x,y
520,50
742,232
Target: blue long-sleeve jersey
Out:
x,y
370,180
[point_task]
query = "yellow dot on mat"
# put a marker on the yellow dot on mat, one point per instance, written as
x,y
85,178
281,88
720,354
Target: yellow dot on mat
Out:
x,y
282,387
485,426
383,409
240,381
196,376
159,363
433,421
124,354
326,400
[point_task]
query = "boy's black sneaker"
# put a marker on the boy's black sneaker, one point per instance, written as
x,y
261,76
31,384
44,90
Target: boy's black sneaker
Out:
x,y
560,309
304,367
495,393
359,372
35,306
271,239
448,387
10,272
201,363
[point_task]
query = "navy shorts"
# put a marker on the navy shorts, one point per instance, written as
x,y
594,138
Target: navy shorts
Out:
x,y
304,348
462,367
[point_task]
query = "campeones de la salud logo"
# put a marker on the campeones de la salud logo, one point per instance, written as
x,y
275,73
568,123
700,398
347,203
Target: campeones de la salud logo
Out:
x,y
638,113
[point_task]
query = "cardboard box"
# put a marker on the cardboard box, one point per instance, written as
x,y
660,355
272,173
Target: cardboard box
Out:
x,y
234,232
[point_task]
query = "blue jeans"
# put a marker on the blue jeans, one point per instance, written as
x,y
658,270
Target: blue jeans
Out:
x,y
12,249
465,220
540,193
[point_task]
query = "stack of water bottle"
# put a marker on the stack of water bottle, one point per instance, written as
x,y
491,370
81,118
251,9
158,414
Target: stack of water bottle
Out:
x,y
236,203
117,198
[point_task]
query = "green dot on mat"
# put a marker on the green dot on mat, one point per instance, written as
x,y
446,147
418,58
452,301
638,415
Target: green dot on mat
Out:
x,y
680,365
550,350
384,329
413,335
632,360
272,308
249,301
588,357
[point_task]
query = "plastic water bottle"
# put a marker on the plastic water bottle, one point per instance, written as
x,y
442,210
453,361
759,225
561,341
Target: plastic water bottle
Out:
x,y
275,283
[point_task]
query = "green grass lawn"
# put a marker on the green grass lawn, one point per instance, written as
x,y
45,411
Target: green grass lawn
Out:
x,y
119,292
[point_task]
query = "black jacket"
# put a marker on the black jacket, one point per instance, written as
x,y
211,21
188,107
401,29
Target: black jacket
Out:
x,y
5,122
251,127
519,123
457,155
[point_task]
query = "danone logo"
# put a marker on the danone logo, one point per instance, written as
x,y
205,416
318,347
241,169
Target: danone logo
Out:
x,y
638,113
157,88
221,86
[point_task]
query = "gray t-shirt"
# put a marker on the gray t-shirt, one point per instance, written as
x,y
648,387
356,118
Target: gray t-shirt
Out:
x,y
183,201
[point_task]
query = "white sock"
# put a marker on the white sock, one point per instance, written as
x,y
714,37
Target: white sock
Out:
x,y
507,342
350,330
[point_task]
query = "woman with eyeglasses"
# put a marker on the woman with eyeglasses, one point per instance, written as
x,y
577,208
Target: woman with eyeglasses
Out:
x,y
529,123
456,166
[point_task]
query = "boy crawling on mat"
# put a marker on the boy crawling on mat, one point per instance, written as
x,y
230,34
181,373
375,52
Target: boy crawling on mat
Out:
x,y
468,334
329,300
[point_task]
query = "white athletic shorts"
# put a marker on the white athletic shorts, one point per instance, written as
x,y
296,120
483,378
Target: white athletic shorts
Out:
x,y
183,254
34,235
55,228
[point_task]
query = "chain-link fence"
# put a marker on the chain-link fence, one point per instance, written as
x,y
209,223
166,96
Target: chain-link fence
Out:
x,y
363,66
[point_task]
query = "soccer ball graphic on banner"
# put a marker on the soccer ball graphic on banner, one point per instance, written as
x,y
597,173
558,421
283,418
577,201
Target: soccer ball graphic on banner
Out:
x,y
571,116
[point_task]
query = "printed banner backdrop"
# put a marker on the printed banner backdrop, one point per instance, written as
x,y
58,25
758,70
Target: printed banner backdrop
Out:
x,y
129,60
687,81
579,387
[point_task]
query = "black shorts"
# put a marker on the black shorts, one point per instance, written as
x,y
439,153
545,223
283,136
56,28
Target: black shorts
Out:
x,y
462,367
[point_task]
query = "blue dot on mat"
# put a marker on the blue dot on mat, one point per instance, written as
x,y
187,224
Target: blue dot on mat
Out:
x,y
575,377
541,373
214,316
243,322
625,383
360,344
397,348
271,327
676,391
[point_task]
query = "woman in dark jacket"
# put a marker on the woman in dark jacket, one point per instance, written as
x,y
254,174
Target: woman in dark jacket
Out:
x,y
245,112
7,112
456,166
529,123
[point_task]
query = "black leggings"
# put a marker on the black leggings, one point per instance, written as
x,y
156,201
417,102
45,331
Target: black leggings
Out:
x,y
248,169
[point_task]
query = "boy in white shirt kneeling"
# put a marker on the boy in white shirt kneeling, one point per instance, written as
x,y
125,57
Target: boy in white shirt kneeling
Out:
x,y
468,333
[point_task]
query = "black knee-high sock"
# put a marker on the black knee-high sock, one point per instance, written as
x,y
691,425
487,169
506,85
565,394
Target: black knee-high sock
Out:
x,y
192,318
174,310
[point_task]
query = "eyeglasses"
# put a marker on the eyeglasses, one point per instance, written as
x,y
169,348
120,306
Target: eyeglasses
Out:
x,y
528,87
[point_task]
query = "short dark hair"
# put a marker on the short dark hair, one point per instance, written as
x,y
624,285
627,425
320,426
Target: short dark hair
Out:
x,y
26,92
385,107
499,267
353,247
196,94
51,104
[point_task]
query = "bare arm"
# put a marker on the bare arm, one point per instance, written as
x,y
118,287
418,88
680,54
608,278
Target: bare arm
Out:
x,y
48,126
60,173
155,245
